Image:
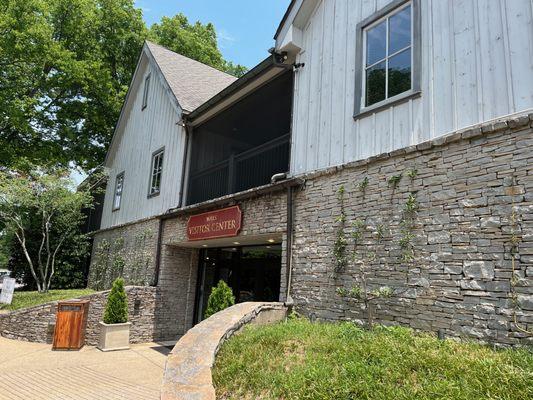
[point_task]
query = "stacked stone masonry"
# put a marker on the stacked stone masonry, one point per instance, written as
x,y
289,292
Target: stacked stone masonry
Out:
x,y
473,194
36,324
474,199
128,251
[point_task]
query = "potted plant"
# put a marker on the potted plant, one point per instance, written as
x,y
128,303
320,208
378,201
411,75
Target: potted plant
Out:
x,y
115,328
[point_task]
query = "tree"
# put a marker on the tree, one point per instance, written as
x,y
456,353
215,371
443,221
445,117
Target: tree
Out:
x,y
196,41
221,297
50,199
116,309
65,67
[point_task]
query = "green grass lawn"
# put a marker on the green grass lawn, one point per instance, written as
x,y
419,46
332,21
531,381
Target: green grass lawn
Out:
x,y
303,360
29,299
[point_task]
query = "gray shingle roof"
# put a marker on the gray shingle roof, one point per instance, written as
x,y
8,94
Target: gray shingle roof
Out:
x,y
192,82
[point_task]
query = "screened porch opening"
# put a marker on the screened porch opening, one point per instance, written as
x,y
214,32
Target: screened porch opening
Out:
x,y
243,146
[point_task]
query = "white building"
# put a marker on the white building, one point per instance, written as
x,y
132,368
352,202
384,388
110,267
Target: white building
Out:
x,y
213,177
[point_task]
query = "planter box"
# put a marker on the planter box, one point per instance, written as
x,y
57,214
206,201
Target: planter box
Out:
x,y
114,336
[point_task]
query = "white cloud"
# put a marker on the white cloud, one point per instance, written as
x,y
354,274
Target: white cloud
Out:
x,y
225,39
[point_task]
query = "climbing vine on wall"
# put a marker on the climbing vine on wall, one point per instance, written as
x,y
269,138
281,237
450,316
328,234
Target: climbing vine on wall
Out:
x,y
514,246
365,239
115,259
339,247
407,225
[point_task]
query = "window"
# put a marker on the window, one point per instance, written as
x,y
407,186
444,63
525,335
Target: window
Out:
x,y
155,172
388,47
119,187
145,93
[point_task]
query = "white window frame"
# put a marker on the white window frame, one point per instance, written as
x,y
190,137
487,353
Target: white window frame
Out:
x,y
362,28
116,194
153,173
145,91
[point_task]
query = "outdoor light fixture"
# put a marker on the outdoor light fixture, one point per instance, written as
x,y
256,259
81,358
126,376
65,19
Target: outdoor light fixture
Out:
x,y
236,242
270,240
204,245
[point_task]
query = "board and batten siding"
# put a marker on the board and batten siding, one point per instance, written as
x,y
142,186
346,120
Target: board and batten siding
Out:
x,y
146,131
477,65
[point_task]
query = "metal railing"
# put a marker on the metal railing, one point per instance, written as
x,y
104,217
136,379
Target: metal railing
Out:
x,y
240,172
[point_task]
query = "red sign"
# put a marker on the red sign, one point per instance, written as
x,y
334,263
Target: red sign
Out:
x,y
215,224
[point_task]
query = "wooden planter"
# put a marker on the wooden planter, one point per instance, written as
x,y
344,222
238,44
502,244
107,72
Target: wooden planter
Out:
x,y
114,336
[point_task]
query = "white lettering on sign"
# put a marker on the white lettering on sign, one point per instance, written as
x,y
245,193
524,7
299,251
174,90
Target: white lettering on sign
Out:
x,y
8,288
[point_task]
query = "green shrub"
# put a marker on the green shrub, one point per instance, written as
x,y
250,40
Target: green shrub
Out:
x,y
116,309
221,297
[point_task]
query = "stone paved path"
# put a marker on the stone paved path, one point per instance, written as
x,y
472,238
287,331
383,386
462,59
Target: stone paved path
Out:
x,y
32,371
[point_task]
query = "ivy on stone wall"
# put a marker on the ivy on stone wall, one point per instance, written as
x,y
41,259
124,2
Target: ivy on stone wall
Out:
x,y
130,260
514,252
339,247
367,235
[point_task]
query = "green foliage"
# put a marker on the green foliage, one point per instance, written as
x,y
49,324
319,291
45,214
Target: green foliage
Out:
x,y
412,173
380,232
405,242
363,184
42,213
406,228
66,67
411,205
131,261
196,41
383,291
343,292
29,299
221,297
394,180
116,309
322,361
339,247
358,227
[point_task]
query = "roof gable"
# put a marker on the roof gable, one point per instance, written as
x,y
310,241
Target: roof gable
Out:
x,y
191,82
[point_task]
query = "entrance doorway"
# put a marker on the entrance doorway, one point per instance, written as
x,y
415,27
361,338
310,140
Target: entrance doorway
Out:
x,y
252,272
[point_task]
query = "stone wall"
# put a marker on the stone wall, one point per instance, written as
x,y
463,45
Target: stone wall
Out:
x,y
36,324
470,199
129,251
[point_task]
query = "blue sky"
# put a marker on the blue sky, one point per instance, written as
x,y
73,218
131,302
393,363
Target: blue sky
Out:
x,y
245,27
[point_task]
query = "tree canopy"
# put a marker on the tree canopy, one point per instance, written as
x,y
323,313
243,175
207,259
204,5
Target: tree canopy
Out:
x,y
45,203
65,67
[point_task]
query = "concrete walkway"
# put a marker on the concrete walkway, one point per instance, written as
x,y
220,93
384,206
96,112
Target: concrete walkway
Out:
x,y
32,371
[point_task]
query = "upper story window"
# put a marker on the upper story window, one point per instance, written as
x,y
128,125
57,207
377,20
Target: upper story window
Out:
x,y
156,171
119,187
389,53
145,92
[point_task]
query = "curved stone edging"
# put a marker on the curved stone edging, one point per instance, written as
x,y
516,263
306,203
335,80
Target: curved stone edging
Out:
x,y
188,369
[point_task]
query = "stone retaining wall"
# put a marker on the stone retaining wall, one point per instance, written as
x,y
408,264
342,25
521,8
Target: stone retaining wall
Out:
x,y
188,370
36,324
451,266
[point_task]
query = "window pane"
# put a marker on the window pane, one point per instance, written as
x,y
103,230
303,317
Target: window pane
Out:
x,y
400,73
145,93
376,43
400,30
375,84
